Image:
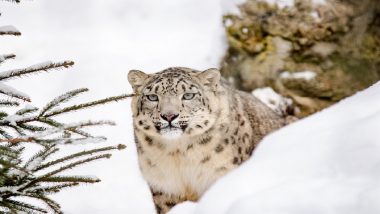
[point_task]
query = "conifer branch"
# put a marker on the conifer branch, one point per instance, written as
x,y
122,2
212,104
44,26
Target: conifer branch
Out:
x,y
6,56
79,154
52,204
25,207
12,92
56,124
63,168
5,134
61,99
9,30
6,75
52,189
87,105
79,179
14,1
40,156
8,103
17,140
27,110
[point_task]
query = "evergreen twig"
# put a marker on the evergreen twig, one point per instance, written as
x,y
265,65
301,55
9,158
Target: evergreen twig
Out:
x,y
6,75
9,30
6,56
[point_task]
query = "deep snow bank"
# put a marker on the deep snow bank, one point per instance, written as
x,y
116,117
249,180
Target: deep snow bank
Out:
x,y
326,163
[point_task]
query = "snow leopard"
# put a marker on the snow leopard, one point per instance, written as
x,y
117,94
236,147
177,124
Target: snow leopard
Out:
x,y
192,127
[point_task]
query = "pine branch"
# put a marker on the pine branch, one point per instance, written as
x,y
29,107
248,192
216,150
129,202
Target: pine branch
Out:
x,y
52,204
8,103
17,129
9,30
12,92
8,164
25,207
17,140
45,118
63,168
7,151
26,110
61,99
5,134
52,189
78,179
39,157
56,124
3,114
13,1
87,105
6,56
82,124
6,75
79,154
32,128
76,141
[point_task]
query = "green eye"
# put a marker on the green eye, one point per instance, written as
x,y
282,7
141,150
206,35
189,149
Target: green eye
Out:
x,y
152,97
188,96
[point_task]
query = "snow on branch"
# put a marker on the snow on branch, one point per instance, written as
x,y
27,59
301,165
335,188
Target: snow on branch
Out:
x,y
32,125
61,99
6,56
46,66
9,30
87,105
13,1
12,92
4,103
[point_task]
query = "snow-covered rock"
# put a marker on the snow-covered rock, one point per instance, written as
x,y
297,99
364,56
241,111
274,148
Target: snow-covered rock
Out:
x,y
326,163
306,75
273,100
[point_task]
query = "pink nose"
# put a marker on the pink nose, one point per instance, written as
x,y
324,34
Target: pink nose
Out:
x,y
169,117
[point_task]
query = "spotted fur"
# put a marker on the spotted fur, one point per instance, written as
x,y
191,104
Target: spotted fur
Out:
x,y
212,133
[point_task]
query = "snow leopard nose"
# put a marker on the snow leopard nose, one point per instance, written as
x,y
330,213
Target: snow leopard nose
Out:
x,y
169,117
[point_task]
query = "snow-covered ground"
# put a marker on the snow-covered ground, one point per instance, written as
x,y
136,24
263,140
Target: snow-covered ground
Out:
x,y
327,163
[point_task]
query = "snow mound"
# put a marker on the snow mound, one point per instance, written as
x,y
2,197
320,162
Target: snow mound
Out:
x,y
326,163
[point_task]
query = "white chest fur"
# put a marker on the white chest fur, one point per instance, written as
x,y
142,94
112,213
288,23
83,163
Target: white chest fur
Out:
x,y
184,171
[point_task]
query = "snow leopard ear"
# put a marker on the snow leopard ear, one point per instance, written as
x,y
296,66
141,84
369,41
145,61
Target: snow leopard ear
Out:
x,y
210,78
137,79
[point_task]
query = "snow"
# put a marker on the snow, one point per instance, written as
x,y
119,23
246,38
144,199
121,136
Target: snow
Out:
x,y
273,100
8,29
13,119
281,3
9,90
290,3
34,163
231,6
326,163
306,75
40,65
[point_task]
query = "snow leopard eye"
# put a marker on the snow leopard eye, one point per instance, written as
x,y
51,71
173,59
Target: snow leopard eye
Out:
x,y
188,96
152,97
